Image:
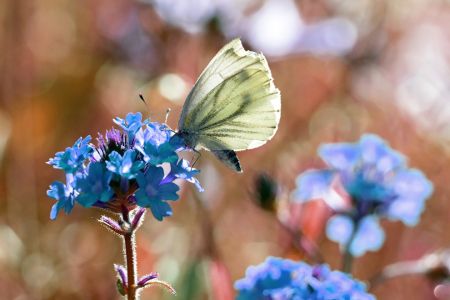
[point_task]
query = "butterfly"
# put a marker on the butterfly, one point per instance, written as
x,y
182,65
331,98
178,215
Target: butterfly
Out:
x,y
233,106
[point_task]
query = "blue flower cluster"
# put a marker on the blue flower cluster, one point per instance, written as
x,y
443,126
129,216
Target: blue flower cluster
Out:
x,y
283,279
123,171
377,183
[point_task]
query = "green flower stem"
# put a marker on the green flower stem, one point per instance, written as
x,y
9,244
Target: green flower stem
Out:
x,y
130,258
348,257
348,260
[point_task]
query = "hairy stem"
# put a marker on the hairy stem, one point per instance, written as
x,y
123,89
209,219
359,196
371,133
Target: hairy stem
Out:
x,y
130,258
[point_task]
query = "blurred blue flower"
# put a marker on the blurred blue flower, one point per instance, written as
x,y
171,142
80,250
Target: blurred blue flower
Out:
x,y
378,183
126,166
313,184
282,279
152,192
94,186
369,235
64,193
72,158
131,124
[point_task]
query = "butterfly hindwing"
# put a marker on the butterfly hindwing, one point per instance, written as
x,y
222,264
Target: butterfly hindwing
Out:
x,y
229,159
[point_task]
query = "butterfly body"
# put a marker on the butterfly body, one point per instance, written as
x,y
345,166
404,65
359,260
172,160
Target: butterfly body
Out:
x,y
233,106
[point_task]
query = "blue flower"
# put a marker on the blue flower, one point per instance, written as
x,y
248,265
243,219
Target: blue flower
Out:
x,y
154,133
65,194
411,188
156,155
378,184
369,235
126,166
158,135
73,158
131,124
152,192
94,186
109,181
315,184
181,170
282,279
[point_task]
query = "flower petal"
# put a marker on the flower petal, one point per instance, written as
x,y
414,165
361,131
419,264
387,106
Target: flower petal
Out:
x,y
154,175
340,229
369,236
54,211
313,184
340,156
168,191
406,210
412,184
376,151
86,200
160,209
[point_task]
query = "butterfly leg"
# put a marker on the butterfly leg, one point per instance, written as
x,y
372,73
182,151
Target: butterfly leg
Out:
x,y
199,154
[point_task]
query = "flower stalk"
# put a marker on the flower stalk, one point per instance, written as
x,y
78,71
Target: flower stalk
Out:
x,y
123,175
348,258
127,283
130,257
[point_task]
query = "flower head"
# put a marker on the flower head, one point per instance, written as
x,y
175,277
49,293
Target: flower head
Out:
x,y
73,157
94,186
113,141
64,193
181,170
123,172
283,279
126,166
152,192
131,124
156,155
378,183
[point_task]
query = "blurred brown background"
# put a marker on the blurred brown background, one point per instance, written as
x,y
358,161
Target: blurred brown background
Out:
x,y
67,68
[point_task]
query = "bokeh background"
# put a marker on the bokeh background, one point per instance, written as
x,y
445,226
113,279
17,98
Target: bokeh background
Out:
x,y
344,68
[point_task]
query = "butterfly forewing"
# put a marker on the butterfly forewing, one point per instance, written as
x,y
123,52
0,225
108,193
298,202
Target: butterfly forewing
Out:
x,y
234,105
230,60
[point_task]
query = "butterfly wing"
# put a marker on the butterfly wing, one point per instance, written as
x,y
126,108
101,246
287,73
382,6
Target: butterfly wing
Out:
x,y
229,159
234,105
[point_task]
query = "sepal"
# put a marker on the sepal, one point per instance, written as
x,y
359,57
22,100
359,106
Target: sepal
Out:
x,y
150,279
121,288
122,281
145,279
111,225
138,218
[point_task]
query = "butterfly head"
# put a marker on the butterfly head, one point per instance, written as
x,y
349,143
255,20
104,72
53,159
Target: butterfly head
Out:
x,y
190,138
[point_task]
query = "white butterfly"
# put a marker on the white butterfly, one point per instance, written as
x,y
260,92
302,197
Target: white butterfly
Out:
x,y
233,106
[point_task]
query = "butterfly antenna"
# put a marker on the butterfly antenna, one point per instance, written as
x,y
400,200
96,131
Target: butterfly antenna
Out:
x,y
142,98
